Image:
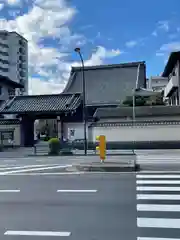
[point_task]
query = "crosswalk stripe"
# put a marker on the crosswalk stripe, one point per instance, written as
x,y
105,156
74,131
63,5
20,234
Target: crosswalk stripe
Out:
x,y
158,223
154,238
158,207
145,188
157,182
159,176
157,197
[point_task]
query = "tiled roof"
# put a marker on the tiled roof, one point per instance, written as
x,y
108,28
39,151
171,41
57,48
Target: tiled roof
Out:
x,y
9,121
107,84
144,111
42,103
173,58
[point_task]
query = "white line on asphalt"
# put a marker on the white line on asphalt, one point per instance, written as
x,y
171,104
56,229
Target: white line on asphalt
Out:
x,y
38,233
143,188
65,173
42,173
9,160
26,166
158,176
157,182
9,191
158,223
34,169
158,207
157,197
154,238
76,191
154,171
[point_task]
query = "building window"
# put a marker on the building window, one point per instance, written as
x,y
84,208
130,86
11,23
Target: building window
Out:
x,y
4,61
4,45
11,92
3,69
4,53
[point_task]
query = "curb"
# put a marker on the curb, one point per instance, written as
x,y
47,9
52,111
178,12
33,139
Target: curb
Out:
x,y
91,168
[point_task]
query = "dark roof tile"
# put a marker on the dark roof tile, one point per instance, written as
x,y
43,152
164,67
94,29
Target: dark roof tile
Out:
x,y
42,103
107,84
145,111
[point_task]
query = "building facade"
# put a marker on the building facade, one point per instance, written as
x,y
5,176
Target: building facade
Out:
x,y
172,72
13,63
157,83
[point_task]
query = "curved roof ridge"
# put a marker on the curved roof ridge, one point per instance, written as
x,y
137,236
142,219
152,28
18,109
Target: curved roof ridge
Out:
x,y
106,66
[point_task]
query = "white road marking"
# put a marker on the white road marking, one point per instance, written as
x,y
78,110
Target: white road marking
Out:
x,y
38,233
25,166
158,207
9,191
144,188
161,171
34,169
76,191
157,182
158,223
42,173
154,238
158,176
157,197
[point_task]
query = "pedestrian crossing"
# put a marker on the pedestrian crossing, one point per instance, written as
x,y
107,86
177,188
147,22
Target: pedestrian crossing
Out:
x,y
158,205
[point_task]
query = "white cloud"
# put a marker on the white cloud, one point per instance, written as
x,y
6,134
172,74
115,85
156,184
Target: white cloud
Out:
x,y
36,86
154,34
169,47
161,25
165,49
13,2
164,25
50,19
1,6
159,54
131,44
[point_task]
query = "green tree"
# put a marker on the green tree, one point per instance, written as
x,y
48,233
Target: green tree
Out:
x,y
153,100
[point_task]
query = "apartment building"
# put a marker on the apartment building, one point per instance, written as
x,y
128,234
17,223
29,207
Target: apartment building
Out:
x,y
157,83
13,65
172,72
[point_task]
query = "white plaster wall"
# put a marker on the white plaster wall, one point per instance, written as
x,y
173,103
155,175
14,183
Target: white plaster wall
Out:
x,y
146,133
79,130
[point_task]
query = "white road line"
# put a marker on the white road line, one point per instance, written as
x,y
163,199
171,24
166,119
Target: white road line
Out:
x,y
9,191
158,207
38,233
157,182
158,223
76,191
159,176
154,238
157,197
26,166
161,171
42,173
144,188
34,169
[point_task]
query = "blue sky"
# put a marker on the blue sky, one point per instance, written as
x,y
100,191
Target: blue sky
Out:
x,y
107,32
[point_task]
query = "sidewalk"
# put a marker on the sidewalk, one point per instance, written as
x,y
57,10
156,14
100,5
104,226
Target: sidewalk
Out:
x,y
120,163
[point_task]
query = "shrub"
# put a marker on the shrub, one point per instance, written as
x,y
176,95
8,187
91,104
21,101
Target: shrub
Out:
x,y
54,146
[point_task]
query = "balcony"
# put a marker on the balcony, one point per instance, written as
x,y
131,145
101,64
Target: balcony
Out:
x,y
172,84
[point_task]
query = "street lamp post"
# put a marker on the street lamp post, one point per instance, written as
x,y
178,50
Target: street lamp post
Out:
x,y
78,50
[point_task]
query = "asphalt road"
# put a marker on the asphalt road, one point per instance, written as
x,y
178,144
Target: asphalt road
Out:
x,y
105,208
